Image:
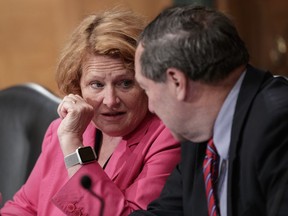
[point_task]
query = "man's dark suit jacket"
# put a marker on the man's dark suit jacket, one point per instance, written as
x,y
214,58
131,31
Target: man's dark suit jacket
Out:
x,y
258,157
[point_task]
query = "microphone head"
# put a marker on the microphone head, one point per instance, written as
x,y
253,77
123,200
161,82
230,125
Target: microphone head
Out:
x,y
86,182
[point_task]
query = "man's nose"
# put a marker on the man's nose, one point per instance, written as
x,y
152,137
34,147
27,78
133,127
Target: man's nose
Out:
x,y
150,107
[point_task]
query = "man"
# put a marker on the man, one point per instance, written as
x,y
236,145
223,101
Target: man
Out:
x,y
194,68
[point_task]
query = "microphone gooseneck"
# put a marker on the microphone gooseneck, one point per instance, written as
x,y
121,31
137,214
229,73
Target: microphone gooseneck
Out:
x,y
86,183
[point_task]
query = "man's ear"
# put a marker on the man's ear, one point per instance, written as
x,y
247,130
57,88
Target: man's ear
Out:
x,y
177,82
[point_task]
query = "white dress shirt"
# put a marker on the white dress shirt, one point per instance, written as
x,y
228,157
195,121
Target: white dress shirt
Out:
x,y
221,138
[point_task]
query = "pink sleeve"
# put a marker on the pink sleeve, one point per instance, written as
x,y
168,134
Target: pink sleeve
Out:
x,y
134,176
131,189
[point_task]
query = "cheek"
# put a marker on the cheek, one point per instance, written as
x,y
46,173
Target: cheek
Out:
x,y
158,106
92,99
150,105
140,108
135,100
151,102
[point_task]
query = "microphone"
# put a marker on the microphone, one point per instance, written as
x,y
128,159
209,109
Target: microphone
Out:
x,y
86,183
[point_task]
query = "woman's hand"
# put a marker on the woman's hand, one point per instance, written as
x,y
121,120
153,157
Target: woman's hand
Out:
x,y
76,114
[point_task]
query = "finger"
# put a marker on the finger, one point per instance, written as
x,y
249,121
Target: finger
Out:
x,y
62,112
67,103
76,98
62,108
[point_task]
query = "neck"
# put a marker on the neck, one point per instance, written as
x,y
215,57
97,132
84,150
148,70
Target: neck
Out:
x,y
209,99
108,145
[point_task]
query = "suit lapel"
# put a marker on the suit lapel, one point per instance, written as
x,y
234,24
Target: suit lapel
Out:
x,y
250,86
199,190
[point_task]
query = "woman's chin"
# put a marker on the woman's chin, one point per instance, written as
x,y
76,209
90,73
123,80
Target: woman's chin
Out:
x,y
114,132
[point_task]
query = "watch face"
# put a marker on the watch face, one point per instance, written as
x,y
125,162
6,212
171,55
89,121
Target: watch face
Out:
x,y
87,154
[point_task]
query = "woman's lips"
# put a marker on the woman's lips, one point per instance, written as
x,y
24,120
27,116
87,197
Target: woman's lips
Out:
x,y
113,116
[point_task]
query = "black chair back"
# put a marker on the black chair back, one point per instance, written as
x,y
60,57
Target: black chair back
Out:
x,y
25,113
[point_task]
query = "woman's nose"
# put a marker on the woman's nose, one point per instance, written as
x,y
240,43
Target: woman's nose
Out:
x,y
110,97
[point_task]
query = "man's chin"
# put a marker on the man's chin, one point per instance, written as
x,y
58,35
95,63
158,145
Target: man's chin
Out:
x,y
178,137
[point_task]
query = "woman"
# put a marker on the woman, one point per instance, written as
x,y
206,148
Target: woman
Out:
x,y
104,131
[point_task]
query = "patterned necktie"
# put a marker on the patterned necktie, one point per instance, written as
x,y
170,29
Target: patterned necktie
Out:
x,y
210,170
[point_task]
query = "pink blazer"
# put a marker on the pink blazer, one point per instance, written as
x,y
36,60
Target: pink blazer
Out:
x,y
134,175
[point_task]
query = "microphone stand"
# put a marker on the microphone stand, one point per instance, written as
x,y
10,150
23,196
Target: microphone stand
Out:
x,y
86,183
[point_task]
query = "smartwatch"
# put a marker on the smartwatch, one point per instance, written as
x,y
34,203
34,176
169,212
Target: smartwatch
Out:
x,y
82,155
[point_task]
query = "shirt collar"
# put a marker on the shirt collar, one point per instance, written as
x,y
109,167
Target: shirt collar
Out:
x,y
223,123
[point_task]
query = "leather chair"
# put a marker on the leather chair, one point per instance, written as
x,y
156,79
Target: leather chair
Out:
x,y
26,111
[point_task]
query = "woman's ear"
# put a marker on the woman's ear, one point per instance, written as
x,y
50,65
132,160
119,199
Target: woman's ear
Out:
x,y
177,82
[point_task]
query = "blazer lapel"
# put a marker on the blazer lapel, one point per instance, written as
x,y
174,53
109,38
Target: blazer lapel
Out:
x,y
127,154
250,86
118,160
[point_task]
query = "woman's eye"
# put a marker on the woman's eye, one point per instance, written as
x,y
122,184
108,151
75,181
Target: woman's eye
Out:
x,y
97,85
126,83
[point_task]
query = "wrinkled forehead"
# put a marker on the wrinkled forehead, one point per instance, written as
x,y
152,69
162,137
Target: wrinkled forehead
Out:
x,y
101,65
